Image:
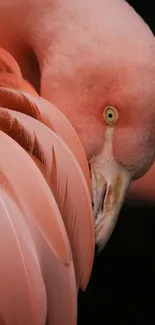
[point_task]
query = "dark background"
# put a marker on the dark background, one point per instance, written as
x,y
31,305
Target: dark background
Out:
x,y
122,287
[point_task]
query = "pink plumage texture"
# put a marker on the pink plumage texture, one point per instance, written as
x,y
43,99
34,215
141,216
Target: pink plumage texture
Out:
x,y
47,235
69,63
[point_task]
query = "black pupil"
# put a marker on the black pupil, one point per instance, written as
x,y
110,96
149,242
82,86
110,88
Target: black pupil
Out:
x,y
110,115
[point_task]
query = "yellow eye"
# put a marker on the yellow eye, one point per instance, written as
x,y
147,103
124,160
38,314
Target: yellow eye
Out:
x,y
110,115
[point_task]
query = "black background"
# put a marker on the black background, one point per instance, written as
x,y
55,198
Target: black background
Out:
x,y
122,287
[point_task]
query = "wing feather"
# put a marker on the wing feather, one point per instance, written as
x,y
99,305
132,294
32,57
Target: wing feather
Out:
x,y
20,298
20,169
40,177
59,280
49,115
10,81
8,64
66,181
10,74
30,274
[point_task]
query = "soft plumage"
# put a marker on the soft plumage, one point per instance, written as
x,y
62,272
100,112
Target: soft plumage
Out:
x,y
45,208
94,57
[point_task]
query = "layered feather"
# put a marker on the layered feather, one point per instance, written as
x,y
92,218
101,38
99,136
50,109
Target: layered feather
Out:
x,y
65,179
45,204
25,248
10,74
37,107
42,110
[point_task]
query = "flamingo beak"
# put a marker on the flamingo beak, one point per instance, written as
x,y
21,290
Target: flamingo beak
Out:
x,y
110,182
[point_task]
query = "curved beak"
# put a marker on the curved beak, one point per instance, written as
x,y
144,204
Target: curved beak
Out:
x,y
110,182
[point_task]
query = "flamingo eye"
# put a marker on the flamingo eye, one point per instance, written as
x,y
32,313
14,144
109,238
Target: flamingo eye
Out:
x,y
110,115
